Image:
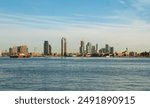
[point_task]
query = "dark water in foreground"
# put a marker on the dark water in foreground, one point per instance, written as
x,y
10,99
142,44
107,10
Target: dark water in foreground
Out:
x,y
75,74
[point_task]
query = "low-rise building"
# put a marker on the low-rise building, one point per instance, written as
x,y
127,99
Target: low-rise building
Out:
x,y
19,51
133,54
36,54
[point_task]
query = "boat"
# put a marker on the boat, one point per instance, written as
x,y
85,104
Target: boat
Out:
x,y
14,56
20,56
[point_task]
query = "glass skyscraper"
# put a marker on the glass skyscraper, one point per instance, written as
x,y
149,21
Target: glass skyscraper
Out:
x,y
47,48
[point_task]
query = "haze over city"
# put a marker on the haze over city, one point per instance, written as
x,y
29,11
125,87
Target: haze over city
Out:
x,y
121,23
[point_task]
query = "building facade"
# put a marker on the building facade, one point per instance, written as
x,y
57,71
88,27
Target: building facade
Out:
x,y
102,51
13,51
93,51
88,48
63,46
96,48
81,48
21,51
111,50
47,48
0,53
107,49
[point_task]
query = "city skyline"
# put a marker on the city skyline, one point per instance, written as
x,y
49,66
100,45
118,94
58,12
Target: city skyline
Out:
x,y
84,48
90,50
121,23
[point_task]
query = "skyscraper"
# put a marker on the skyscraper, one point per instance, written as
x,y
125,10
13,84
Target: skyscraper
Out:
x,y
47,48
93,50
50,50
63,46
88,48
13,51
82,48
107,49
96,48
0,53
111,50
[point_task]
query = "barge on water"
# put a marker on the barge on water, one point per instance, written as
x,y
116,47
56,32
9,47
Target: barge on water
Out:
x,y
20,56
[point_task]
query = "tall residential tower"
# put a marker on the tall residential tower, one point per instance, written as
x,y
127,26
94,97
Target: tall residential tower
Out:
x,y
88,48
81,48
47,48
0,53
63,46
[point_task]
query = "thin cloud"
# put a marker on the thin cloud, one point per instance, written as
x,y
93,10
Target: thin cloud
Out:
x,y
72,22
140,5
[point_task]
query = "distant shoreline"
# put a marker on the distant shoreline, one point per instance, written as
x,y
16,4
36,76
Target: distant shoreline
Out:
x,y
67,57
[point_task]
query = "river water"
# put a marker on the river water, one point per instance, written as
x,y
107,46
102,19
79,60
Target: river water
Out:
x,y
75,74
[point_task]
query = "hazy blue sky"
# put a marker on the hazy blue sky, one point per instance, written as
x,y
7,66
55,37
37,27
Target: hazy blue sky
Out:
x,y
120,23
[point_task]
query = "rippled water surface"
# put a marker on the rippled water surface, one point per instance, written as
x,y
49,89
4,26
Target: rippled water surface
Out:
x,y
75,74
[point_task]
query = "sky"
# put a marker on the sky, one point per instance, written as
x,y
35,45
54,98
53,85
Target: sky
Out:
x,y
119,23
